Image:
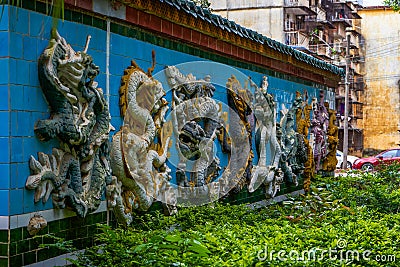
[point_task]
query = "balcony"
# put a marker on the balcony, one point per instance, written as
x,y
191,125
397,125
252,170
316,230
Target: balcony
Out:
x,y
355,137
340,17
296,3
298,7
342,12
353,41
356,110
340,30
291,25
358,84
296,38
322,50
339,61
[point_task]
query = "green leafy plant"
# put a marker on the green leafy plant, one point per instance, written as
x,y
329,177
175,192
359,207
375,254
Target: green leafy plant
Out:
x,y
360,209
202,3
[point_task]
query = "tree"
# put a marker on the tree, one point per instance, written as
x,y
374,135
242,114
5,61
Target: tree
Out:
x,y
202,3
395,4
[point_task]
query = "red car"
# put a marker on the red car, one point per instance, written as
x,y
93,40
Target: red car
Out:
x,y
385,157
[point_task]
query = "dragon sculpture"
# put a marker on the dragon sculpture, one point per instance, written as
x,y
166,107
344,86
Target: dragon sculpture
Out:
x,y
294,150
303,124
139,148
319,126
330,161
193,106
239,99
265,113
76,173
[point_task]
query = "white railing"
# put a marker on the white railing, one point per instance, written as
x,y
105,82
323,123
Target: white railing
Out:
x,y
296,38
321,49
290,3
291,25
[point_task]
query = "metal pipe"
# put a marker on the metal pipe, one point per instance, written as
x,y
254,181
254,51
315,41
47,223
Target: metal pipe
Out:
x,y
108,62
346,104
108,89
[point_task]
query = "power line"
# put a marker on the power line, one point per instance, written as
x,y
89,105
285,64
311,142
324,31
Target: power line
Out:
x,y
374,52
382,48
382,77
382,55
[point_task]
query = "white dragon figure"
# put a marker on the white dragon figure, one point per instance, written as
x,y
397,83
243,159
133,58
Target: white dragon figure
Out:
x,y
265,111
139,151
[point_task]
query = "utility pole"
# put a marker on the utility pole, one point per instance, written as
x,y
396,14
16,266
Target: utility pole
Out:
x,y
346,103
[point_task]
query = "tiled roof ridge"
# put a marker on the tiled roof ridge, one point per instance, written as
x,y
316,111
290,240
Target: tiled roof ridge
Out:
x,y
206,15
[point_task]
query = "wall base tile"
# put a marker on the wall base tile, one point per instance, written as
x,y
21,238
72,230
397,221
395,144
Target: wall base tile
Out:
x,y
22,220
4,261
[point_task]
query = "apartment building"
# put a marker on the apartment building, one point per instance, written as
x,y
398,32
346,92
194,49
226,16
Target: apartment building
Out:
x,y
381,31
319,28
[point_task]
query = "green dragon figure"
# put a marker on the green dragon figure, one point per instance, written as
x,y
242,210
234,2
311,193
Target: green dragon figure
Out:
x,y
76,173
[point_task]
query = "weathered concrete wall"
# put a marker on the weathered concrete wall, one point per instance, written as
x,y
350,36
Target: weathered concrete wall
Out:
x,y
25,33
381,28
268,22
265,17
234,4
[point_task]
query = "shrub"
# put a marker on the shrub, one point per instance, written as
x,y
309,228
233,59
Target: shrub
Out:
x,y
346,216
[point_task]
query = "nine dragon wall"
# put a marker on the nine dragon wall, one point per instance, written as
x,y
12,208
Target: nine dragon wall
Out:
x,y
24,35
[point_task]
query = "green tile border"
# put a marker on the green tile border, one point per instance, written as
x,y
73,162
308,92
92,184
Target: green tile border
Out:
x,y
24,248
3,249
4,262
143,35
4,236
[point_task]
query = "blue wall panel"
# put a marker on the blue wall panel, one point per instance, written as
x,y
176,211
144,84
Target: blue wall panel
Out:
x,y
4,67
5,150
19,71
4,25
28,204
4,207
16,49
20,171
4,176
39,25
18,20
20,122
20,91
4,105
4,44
17,97
30,48
16,196
17,148
4,118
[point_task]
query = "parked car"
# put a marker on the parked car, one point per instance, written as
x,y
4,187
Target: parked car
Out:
x,y
350,160
385,157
